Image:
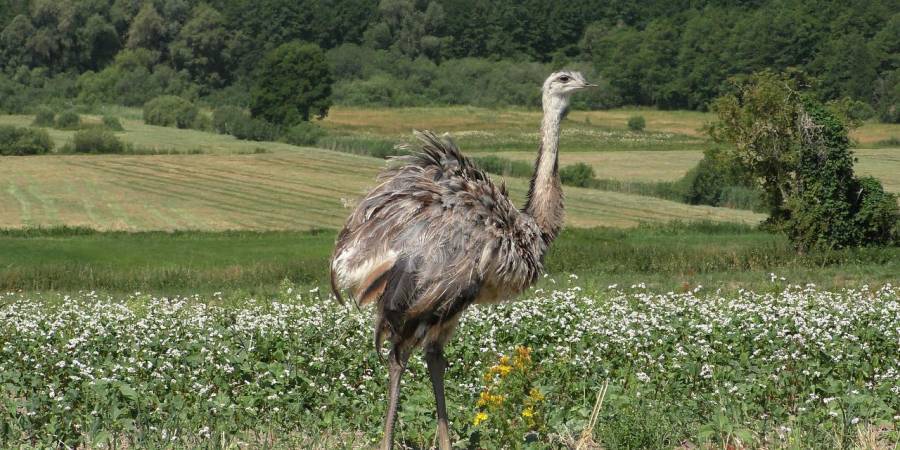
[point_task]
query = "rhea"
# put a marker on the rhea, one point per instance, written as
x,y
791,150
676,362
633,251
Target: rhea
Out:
x,y
436,235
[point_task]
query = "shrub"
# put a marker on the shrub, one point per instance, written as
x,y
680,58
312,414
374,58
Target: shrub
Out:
x,y
304,133
717,180
20,141
887,97
860,111
203,122
45,117
579,174
69,120
95,140
170,111
112,123
876,214
256,130
227,118
637,123
238,123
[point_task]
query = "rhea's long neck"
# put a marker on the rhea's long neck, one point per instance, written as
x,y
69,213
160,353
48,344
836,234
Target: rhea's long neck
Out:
x,y
545,197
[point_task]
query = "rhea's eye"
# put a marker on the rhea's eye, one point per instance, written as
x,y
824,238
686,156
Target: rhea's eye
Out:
x,y
564,78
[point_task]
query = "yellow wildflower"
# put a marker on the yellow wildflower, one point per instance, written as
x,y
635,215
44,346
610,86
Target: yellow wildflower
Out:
x,y
524,352
504,370
535,395
528,413
523,357
484,398
504,360
480,417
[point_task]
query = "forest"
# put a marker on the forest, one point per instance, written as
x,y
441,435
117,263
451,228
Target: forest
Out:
x,y
667,54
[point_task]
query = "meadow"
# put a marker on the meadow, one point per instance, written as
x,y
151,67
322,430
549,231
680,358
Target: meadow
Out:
x,y
674,256
177,299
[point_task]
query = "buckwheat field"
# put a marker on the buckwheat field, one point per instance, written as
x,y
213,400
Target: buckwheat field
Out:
x,y
797,367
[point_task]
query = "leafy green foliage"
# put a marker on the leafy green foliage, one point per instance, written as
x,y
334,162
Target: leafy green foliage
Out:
x,y
303,133
228,118
876,215
171,111
112,123
427,52
293,84
579,174
68,120
238,123
136,76
887,95
718,180
95,140
147,28
44,117
637,123
206,48
21,141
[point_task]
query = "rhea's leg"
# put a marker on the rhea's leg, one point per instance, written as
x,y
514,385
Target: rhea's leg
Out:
x,y
397,364
434,357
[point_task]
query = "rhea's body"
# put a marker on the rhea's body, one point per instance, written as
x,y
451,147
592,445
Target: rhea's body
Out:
x,y
437,235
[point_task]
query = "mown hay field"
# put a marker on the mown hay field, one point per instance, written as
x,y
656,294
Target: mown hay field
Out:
x,y
648,166
681,129
246,185
305,189
232,187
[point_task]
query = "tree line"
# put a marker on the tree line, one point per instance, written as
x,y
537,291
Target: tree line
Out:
x,y
669,54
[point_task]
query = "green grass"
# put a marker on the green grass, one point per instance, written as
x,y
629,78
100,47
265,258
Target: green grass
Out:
x,y
667,257
74,259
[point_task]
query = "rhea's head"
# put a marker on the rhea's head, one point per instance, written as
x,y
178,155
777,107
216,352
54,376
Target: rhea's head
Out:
x,y
565,82
559,86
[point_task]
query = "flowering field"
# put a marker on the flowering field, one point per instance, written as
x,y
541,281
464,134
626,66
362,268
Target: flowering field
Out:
x,y
798,368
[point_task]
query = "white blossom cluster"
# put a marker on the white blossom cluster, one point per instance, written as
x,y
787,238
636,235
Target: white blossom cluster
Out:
x,y
71,365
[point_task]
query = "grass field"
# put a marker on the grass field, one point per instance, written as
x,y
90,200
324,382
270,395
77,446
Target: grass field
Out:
x,y
664,257
231,188
480,126
157,138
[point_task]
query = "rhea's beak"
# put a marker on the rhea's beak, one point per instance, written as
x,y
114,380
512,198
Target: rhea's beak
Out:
x,y
589,85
